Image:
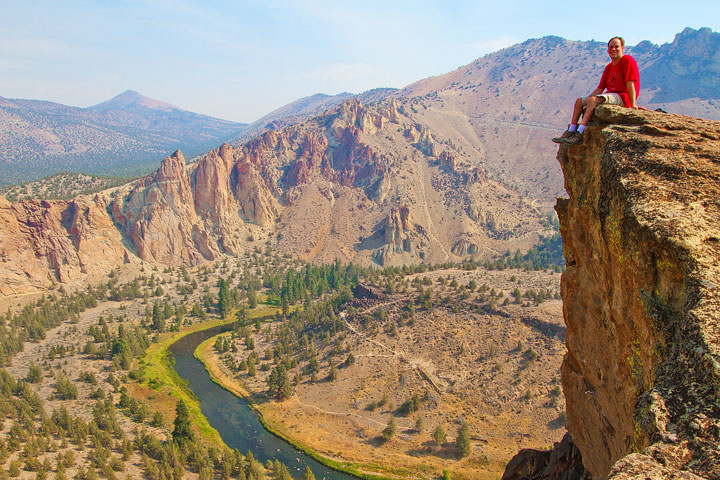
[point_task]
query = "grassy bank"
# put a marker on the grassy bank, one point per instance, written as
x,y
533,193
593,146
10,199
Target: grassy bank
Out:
x,y
162,387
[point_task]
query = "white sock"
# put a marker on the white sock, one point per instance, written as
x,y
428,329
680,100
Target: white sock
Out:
x,y
581,128
572,127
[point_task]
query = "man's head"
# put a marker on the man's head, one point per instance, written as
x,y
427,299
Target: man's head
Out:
x,y
616,48
622,41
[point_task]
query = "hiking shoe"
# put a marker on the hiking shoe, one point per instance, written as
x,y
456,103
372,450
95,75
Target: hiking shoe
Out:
x,y
562,137
574,138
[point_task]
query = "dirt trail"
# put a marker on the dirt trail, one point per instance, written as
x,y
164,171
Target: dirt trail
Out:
x,y
419,365
337,414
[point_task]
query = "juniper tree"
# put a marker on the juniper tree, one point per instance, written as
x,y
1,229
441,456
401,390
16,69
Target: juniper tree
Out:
x,y
389,431
462,442
333,372
439,436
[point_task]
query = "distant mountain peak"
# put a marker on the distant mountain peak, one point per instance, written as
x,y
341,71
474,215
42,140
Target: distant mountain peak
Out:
x,y
131,98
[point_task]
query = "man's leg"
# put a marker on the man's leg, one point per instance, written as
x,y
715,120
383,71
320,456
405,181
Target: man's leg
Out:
x,y
576,137
577,111
591,103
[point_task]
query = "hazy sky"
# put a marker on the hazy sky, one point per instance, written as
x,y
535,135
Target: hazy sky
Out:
x,y
239,60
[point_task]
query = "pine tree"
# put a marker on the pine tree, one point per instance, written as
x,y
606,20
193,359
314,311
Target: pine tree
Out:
x,y
34,374
439,436
307,474
158,322
333,372
182,432
279,383
64,388
280,471
224,300
252,297
285,311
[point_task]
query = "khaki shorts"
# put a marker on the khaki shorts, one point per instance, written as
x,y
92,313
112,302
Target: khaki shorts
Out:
x,y
610,99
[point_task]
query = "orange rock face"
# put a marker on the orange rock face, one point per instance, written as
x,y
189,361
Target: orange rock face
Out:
x,y
46,242
641,233
159,217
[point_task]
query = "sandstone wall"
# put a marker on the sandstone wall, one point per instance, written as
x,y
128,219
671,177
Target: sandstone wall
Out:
x,y
641,233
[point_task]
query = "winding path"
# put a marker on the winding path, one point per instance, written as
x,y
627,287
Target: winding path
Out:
x,y
427,376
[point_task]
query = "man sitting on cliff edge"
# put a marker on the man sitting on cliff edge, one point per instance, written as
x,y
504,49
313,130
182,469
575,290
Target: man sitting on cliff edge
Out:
x,y
621,83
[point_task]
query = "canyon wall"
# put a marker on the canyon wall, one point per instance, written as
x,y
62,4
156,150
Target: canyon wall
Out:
x,y
43,243
362,184
641,234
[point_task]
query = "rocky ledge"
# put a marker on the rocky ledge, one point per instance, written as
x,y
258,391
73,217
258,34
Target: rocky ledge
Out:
x,y
641,234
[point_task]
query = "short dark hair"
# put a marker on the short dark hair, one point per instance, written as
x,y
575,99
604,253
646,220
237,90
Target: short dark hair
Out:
x,y
622,41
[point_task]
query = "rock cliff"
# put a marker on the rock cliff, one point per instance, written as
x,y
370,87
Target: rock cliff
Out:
x,y
641,233
350,185
43,243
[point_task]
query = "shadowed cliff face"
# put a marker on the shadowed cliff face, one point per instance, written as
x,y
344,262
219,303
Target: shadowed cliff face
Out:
x,y
641,233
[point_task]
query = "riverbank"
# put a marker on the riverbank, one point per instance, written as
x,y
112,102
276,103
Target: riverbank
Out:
x,y
492,372
270,415
157,383
340,419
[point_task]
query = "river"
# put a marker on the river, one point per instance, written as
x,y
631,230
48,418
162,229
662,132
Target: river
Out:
x,y
238,425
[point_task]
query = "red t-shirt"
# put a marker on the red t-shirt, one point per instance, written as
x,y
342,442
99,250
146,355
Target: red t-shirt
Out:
x,y
614,78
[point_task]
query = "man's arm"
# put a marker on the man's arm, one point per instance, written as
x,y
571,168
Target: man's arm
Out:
x,y
597,91
631,93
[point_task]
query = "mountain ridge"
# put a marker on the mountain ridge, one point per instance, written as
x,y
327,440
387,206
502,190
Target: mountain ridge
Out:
x,y
445,169
125,135
130,98
328,189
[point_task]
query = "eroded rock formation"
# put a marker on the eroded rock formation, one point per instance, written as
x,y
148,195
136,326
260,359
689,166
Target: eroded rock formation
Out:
x,y
563,462
347,185
43,243
161,215
641,233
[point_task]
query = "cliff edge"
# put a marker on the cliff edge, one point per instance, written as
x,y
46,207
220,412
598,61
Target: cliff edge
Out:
x,y
641,234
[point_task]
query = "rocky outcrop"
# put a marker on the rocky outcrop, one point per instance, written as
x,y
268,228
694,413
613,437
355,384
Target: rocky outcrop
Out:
x,y
423,139
398,225
347,185
399,233
256,202
354,113
465,247
641,233
159,216
43,243
563,462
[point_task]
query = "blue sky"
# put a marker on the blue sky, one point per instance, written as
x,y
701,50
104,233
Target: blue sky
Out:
x,y
239,60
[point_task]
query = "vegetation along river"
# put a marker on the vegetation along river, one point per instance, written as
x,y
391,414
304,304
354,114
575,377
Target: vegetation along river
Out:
x,y
238,425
